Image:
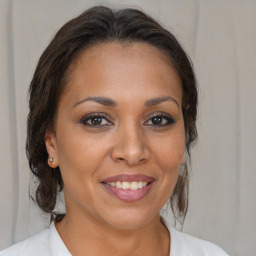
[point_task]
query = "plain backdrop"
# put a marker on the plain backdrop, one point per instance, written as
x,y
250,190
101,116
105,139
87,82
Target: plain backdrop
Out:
x,y
220,37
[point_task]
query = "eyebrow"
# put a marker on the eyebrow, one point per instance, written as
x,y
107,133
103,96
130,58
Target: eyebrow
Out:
x,y
108,102
102,100
155,101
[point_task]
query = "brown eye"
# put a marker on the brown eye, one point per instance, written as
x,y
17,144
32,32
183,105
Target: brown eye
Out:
x,y
157,120
95,120
160,120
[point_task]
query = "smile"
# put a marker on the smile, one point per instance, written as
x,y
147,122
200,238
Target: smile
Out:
x,y
129,185
129,188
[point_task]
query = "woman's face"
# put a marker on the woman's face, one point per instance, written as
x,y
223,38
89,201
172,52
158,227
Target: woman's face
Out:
x,y
119,134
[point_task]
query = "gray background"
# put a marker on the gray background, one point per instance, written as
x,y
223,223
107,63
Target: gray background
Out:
x,y
220,36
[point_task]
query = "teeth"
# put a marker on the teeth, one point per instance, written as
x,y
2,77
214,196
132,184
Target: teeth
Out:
x,y
134,185
142,184
125,185
118,184
128,185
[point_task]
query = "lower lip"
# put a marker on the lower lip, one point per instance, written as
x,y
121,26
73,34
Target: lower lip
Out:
x,y
128,195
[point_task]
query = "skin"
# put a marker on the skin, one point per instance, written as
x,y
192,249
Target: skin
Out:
x,y
126,142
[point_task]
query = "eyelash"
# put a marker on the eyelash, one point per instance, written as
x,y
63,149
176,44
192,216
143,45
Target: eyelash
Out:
x,y
170,120
91,116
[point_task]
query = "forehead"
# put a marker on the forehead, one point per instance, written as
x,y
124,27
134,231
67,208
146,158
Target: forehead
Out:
x,y
126,67
125,50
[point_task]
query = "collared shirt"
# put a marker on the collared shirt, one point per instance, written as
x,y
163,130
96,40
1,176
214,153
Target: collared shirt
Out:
x,y
49,243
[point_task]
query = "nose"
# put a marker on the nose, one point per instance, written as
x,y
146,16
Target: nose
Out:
x,y
130,146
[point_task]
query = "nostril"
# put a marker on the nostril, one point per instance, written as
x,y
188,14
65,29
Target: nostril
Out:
x,y
131,152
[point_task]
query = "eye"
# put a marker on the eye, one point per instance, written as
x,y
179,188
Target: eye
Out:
x,y
160,119
96,120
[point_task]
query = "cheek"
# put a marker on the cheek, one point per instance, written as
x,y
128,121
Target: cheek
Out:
x,y
80,155
169,155
170,150
79,160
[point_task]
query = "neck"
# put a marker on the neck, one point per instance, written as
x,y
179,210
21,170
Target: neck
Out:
x,y
86,237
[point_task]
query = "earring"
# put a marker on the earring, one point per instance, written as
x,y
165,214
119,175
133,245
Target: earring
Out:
x,y
51,161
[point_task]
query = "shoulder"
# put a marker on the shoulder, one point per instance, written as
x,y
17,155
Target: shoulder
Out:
x,y
184,244
34,245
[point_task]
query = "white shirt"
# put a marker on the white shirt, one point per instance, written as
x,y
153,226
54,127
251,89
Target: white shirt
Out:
x,y
49,243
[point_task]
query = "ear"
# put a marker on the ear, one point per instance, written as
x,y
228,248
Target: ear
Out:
x,y
51,147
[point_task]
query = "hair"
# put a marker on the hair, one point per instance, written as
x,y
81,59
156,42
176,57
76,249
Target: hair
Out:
x,y
99,25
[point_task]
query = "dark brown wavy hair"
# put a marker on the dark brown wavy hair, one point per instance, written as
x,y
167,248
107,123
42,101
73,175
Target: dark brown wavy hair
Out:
x,y
99,25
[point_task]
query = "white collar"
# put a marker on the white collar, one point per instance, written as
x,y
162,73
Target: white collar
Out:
x,y
57,246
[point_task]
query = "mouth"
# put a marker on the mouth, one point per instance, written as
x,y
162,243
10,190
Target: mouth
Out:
x,y
128,185
129,188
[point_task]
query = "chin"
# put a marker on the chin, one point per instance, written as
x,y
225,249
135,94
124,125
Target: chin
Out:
x,y
129,219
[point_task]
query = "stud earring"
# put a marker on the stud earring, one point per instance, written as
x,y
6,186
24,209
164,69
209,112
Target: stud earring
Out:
x,y
51,161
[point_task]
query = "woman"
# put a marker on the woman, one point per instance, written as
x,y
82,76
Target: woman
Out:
x,y
113,105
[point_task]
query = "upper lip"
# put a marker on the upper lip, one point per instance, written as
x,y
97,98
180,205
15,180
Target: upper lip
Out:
x,y
129,178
